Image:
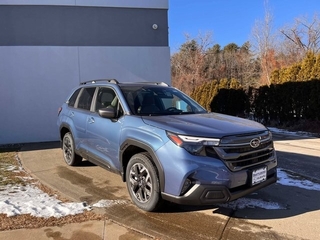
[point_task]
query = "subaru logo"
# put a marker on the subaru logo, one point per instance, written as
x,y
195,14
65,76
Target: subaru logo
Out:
x,y
254,143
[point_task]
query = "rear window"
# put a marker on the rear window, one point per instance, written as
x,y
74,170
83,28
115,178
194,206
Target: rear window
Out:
x,y
73,98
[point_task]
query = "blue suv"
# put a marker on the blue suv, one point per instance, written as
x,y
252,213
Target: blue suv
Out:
x,y
164,145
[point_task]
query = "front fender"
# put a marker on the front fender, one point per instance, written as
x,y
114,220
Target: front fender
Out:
x,y
143,140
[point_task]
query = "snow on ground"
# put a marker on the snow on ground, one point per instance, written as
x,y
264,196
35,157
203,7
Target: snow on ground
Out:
x,y
108,203
15,200
246,202
283,131
285,178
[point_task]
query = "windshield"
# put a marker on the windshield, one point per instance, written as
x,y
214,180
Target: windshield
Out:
x,y
159,100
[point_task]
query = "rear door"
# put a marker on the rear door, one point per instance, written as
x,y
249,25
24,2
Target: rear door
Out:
x,y
103,134
79,116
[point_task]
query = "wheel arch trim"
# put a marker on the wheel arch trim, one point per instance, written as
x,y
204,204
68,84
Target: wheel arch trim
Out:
x,y
132,142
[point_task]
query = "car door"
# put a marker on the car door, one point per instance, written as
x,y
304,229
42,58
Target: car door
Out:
x,y
103,134
79,116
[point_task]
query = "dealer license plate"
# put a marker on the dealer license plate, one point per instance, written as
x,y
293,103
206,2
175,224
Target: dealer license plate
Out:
x,y
259,175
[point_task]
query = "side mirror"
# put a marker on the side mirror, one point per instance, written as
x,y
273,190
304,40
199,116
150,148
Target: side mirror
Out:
x,y
108,112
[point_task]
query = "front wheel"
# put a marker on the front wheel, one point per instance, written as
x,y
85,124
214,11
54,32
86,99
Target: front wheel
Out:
x,y
143,182
69,155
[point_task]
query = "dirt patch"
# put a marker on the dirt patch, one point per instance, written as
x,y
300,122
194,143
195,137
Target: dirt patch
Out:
x,y
12,173
28,221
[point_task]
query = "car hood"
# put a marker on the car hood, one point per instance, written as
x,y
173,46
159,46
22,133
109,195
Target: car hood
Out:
x,y
204,125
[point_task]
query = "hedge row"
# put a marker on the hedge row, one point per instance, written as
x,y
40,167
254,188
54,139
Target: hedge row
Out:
x,y
279,103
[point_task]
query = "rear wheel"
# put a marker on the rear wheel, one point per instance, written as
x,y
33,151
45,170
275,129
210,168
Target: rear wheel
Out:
x,y
143,182
69,155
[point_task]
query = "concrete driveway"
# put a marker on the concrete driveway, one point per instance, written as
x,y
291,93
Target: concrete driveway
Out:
x,y
298,218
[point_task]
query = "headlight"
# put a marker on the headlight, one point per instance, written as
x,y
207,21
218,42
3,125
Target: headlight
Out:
x,y
194,145
270,135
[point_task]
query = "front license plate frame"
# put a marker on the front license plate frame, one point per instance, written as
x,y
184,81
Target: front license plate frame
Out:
x,y
258,175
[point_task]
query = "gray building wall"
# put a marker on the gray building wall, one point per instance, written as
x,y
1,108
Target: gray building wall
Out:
x,y
49,47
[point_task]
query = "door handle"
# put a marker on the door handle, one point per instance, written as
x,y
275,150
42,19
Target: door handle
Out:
x,y
71,114
91,120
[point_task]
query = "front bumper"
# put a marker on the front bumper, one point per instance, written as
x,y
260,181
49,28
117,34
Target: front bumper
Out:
x,y
204,194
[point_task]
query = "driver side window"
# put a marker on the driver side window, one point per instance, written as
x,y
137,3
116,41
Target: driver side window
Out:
x,y
104,98
107,98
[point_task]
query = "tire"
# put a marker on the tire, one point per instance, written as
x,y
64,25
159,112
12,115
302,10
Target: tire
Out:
x,y
69,155
143,182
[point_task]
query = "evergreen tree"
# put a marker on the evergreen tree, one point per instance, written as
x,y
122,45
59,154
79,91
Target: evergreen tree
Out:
x,y
306,67
315,74
234,84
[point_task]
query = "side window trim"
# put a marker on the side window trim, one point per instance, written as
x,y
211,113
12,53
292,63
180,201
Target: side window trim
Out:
x,y
94,100
77,100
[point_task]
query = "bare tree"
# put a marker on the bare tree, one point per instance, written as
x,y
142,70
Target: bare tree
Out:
x,y
304,35
300,38
264,43
187,64
248,68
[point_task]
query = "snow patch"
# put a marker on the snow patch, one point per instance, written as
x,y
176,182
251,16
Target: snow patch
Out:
x,y
109,203
242,203
16,200
283,131
284,178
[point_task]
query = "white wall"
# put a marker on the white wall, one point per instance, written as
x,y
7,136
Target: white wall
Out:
x,y
36,80
37,74
127,64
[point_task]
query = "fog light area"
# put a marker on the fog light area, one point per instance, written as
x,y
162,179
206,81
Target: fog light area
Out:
x,y
186,186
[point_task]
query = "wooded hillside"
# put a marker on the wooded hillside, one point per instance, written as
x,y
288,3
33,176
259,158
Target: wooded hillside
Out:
x,y
270,81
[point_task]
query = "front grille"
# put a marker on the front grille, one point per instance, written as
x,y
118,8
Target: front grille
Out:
x,y
245,149
237,153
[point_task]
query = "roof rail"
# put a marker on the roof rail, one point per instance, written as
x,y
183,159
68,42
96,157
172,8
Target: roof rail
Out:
x,y
163,83
101,80
155,83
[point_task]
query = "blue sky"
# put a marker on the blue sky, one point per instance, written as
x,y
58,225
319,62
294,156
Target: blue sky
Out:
x,y
231,21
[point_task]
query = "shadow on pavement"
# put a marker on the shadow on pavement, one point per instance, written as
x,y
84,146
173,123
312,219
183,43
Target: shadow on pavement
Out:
x,y
292,200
